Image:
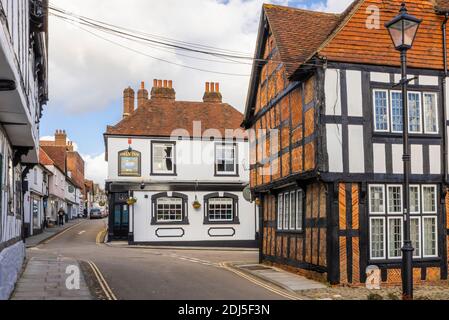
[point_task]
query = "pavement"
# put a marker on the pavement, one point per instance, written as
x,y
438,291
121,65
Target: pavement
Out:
x,y
286,280
49,279
50,233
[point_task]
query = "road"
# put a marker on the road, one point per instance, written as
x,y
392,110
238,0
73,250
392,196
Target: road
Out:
x,y
157,274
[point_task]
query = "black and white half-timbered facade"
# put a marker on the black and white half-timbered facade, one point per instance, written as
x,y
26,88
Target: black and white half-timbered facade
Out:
x,y
177,171
332,187
23,93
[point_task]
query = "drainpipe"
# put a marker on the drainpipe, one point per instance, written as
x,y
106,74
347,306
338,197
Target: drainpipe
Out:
x,y
444,83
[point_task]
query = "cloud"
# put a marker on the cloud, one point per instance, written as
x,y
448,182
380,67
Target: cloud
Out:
x,y
89,74
96,168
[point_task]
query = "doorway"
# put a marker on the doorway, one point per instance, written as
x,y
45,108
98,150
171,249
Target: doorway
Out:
x,y
121,221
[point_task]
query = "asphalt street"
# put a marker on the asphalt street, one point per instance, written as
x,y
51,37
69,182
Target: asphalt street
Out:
x,y
156,274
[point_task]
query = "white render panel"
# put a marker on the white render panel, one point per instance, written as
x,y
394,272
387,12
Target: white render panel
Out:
x,y
196,230
398,165
447,97
428,81
417,159
334,147
333,92
380,77
380,165
356,149
354,90
435,159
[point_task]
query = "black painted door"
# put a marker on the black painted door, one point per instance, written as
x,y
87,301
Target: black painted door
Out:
x,y
121,221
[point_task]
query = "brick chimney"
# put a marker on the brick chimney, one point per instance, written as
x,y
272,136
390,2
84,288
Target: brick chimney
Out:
x,y
70,147
60,138
212,94
128,102
163,89
142,95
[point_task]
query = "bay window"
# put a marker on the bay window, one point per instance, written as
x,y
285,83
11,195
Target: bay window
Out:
x,y
387,223
290,210
169,209
221,209
388,111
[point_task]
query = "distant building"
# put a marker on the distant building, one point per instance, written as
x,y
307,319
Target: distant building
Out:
x,y
24,91
186,164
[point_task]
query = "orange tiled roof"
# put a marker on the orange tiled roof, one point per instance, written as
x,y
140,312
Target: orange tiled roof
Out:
x,y
299,33
44,159
442,5
57,155
162,116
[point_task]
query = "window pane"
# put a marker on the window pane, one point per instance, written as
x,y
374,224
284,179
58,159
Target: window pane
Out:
x,y
415,232
396,112
381,110
163,158
414,112
299,210
395,238
430,237
286,210
377,199
394,199
430,113
377,238
221,209
429,199
414,200
280,211
225,159
292,210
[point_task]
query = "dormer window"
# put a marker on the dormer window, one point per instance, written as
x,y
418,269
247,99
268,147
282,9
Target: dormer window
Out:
x,y
163,158
226,160
129,163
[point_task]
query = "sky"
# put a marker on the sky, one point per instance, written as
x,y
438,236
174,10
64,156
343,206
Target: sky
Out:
x,y
87,74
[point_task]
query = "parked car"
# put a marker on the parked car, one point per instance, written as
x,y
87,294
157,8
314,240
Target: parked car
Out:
x,y
97,214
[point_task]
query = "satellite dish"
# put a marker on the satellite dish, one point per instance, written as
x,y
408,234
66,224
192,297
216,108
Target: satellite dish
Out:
x,y
247,195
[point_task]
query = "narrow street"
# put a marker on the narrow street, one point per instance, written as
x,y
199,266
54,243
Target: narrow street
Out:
x,y
156,274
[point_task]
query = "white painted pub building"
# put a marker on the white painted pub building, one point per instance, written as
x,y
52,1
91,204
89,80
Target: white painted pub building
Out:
x,y
184,164
23,92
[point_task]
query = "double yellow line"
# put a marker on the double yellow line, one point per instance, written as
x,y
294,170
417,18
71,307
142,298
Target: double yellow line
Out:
x,y
286,295
101,280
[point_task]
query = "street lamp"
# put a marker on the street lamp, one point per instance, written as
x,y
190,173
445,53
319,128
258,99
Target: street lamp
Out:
x,y
403,29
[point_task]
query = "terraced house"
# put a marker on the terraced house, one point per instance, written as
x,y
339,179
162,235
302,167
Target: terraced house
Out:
x,y
327,149
23,92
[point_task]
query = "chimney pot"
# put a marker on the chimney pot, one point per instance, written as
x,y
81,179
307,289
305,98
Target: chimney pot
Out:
x,y
165,83
217,87
159,83
207,87
155,83
212,87
170,84
142,85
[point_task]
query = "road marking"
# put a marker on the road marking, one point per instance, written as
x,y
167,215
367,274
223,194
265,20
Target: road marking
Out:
x,y
100,235
80,233
103,283
61,233
259,283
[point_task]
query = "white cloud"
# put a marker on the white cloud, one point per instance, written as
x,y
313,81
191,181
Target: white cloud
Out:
x,y
96,168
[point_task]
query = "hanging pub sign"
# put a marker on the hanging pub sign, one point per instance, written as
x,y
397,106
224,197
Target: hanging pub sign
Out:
x,y
129,163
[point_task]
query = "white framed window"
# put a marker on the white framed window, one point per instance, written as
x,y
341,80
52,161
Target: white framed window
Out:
x,y
414,112
169,210
226,159
163,158
377,199
415,236
377,238
381,113
386,224
430,236
429,193
292,218
394,199
415,199
290,210
395,237
221,209
396,112
430,113
280,212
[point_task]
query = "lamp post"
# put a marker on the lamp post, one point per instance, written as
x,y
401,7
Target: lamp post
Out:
x,y
403,29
